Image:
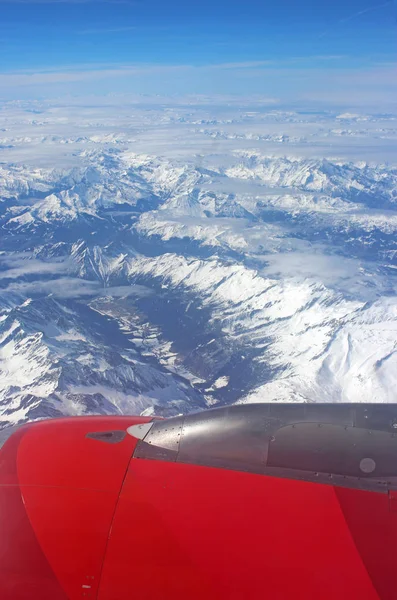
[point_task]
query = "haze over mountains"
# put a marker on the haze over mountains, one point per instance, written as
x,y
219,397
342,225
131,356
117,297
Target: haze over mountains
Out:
x,y
161,257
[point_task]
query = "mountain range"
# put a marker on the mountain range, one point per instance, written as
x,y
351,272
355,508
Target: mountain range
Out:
x,y
152,283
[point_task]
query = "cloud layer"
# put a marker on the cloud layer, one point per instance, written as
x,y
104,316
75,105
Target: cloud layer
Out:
x,y
304,79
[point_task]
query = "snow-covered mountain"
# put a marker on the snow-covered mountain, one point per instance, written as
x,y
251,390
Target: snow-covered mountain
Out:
x,y
135,281
76,358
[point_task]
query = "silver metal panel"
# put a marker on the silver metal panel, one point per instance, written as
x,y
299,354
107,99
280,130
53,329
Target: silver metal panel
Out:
x,y
140,431
162,440
227,435
350,451
348,445
342,414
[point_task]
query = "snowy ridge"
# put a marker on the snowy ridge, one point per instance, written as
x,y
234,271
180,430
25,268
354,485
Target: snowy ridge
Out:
x,y
344,180
72,364
302,327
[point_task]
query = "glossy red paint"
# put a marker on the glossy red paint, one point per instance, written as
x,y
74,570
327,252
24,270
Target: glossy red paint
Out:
x,y
217,534
81,519
58,495
57,453
373,526
25,573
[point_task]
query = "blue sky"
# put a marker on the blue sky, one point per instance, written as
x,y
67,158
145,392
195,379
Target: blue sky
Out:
x,y
272,47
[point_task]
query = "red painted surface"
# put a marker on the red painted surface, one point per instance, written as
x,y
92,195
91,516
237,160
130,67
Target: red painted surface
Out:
x,y
373,527
58,495
57,453
184,531
80,519
25,573
393,501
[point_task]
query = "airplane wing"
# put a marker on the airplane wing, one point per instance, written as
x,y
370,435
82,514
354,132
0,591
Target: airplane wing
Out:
x,y
260,501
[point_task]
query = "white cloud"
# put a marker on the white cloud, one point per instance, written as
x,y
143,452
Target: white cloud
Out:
x,y
66,287
17,264
95,72
296,79
20,267
49,77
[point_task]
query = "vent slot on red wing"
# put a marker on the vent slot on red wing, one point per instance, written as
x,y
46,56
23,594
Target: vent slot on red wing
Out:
x,y
110,437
